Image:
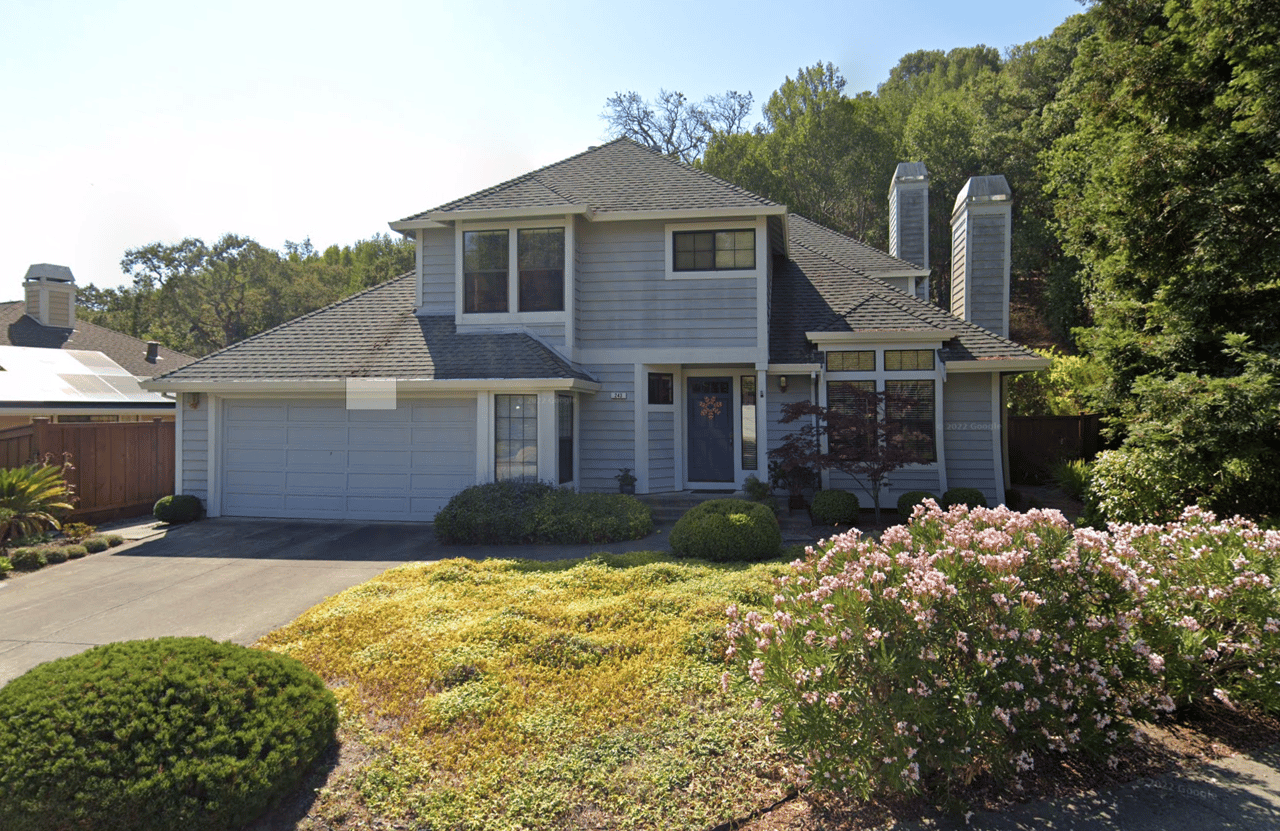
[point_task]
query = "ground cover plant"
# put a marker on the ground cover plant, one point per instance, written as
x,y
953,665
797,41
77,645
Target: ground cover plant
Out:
x,y
510,512
577,694
985,643
171,733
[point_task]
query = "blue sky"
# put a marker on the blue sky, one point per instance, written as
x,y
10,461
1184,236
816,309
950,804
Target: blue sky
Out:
x,y
125,123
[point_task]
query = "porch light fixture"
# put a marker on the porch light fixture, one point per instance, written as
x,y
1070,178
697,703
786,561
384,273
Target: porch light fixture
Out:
x,y
782,383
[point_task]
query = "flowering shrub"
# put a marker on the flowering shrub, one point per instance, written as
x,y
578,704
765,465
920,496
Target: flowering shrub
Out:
x,y
967,642
974,641
1209,606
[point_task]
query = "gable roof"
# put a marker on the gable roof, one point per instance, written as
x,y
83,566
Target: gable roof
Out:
x,y
619,177
376,334
828,285
19,329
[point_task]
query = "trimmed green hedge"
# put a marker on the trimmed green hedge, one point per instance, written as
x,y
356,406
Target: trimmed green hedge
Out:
x,y
174,733
724,530
835,507
177,508
969,497
909,500
509,513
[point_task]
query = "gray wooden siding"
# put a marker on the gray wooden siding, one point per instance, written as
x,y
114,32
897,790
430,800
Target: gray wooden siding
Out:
x,y
900,482
608,429
662,451
194,447
985,272
552,333
624,300
969,439
437,271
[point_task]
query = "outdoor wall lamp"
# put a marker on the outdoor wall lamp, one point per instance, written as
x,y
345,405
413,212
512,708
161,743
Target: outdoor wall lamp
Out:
x,y
782,383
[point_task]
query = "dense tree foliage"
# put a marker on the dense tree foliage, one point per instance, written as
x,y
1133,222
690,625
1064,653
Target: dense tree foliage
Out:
x,y
1167,188
198,298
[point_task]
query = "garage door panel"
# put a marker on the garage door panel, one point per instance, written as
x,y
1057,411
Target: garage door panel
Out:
x,y
374,460
378,436
317,460
255,458
317,436
299,412
316,506
311,481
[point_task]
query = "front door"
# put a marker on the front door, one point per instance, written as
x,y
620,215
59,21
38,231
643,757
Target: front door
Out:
x,y
710,430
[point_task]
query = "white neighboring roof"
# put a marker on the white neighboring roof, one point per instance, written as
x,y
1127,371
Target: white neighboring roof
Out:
x,y
32,377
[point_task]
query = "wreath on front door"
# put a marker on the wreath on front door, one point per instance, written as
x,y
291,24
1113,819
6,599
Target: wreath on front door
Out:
x,y
711,407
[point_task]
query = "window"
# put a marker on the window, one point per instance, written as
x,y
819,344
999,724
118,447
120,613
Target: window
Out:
x,y
854,397
484,271
661,388
515,439
713,250
909,408
537,285
908,359
541,257
860,361
750,453
564,431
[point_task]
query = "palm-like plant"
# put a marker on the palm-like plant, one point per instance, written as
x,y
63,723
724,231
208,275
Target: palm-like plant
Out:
x,y
31,499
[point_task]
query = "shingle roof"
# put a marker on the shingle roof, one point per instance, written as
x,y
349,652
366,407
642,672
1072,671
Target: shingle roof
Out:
x,y
828,285
17,329
619,176
375,334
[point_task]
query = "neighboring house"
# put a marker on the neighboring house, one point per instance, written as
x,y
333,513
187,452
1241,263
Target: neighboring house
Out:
x,y
67,370
616,309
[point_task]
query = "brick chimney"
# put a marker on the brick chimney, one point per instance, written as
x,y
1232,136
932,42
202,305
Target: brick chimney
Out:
x,y
981,227
909,218
51,295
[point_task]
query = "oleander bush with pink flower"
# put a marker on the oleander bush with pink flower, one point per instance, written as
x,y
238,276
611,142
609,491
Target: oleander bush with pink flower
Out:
x,y
982,641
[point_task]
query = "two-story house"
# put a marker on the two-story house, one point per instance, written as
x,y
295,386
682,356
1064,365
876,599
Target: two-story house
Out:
x,y
615,309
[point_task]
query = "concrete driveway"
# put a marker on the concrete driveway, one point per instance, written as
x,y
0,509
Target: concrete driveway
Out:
x,y
229,579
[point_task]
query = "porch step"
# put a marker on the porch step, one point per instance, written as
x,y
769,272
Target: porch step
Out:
x,y
669,507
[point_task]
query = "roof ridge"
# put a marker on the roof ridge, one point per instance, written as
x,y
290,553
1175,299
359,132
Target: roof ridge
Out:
x,y
515,180
384,284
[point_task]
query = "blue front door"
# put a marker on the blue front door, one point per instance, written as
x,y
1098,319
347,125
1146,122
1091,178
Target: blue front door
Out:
x,y
710,430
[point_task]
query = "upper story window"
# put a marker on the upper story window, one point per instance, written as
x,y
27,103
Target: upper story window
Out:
x,y
489,284
901,360
733,250
863,360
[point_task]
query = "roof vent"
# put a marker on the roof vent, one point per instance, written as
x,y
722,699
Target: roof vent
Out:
x,y
153,351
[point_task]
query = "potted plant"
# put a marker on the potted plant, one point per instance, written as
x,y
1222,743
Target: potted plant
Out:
x,y
626,480
796,478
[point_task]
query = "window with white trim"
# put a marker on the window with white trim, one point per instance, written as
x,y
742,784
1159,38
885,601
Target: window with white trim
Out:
x,y
522,270
728,250
515,437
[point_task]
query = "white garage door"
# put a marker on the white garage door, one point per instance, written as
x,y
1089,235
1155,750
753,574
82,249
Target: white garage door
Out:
x,y
318,460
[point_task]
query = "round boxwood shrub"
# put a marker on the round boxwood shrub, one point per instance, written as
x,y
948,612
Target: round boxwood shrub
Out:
x,y
834,507
969,497
60,554
727,529
178,508
27,559
496,512
114,539
93,545
174,733
909,500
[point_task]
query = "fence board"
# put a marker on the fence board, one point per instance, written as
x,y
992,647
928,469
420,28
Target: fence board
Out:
x,y
1037,443
120,469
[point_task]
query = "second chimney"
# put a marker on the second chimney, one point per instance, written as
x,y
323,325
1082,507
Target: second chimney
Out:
x,y
909,218
981,230
51,295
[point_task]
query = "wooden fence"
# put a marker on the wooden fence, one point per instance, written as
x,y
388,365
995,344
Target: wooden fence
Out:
x,y
120,469
1037,443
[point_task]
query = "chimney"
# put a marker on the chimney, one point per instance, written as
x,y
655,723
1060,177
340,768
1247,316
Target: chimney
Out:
x,y
981,226
153,351
51,295
909,218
